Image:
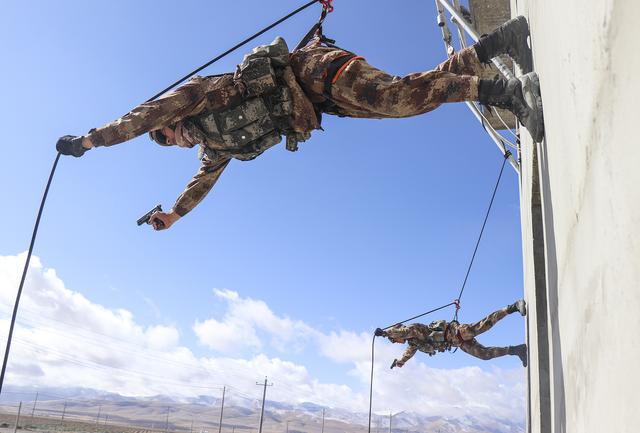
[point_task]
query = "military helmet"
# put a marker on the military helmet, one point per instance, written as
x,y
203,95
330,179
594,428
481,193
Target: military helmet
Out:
x,y
159,137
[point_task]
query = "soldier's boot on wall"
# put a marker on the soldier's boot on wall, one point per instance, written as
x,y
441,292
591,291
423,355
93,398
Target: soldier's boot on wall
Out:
x,y
520,96
510,38
519,306
520,351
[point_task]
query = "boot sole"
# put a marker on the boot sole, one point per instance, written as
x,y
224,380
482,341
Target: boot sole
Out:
x,y
525,61
531,93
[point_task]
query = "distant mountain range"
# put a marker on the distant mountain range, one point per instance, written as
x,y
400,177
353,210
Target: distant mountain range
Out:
x,y
202,414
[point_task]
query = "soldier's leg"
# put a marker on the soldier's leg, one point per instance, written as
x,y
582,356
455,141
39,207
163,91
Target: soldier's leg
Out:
x,y
464,62
510,38
473,348
364,91
469,331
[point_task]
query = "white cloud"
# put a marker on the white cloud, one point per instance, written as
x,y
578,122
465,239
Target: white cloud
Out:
x,y
64,339
244,320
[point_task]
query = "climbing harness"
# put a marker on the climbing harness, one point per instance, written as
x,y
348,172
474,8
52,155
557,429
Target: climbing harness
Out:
x,y
455,302
327,7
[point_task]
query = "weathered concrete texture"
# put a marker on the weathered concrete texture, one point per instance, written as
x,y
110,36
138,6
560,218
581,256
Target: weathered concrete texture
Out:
x,y
589,166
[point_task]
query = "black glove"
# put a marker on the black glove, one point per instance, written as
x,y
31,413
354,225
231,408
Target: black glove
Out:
x,y
394,363
70,145
380,333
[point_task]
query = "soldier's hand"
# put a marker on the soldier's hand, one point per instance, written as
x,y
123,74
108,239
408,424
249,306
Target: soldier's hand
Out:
x,y
71,145
162,220
380,333
397,363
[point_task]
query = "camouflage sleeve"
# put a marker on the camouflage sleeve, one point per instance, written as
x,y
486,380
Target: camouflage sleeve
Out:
x,y
408,354
186,100
200,185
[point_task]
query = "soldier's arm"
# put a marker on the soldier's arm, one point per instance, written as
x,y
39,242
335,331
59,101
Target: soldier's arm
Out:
x,y
408,354
186,100
200,185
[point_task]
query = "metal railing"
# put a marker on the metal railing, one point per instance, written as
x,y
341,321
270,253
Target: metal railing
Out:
x,y
462,27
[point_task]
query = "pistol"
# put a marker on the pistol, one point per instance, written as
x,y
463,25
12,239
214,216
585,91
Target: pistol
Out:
x,y
146,218
394,363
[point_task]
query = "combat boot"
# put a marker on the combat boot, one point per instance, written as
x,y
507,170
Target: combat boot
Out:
x,y
520,96
510,38
521,351
519,306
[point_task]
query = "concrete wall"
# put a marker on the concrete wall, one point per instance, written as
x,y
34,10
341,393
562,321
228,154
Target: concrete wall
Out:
x,y
580,203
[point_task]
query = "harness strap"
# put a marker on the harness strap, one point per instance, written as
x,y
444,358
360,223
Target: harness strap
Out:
x,y
335,69
316,29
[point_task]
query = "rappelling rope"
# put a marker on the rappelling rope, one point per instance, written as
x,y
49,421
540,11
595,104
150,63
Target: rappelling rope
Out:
x,y
507,154
455,302
326,8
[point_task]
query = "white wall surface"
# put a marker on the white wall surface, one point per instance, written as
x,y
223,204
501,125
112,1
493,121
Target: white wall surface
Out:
x,y
587,54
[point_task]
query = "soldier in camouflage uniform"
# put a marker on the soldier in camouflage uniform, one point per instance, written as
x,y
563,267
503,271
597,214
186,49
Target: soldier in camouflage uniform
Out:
x,y
275,93
441,336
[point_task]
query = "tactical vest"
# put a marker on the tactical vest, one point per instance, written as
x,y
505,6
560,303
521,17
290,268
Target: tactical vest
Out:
x,y
436,341
261,118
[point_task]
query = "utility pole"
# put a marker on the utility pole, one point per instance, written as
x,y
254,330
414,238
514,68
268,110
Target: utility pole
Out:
x,y
98,417
166,426
33,411
322,421
234,429
287,426
224,389
64,410
264,394
15,428
391,417
191,430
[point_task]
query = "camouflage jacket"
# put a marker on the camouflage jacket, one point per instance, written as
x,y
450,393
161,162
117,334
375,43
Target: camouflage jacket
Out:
x,y
432,338
305,77
199,95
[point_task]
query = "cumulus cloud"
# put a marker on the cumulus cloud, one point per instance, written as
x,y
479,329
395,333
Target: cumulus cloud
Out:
x,y
244,320
63,340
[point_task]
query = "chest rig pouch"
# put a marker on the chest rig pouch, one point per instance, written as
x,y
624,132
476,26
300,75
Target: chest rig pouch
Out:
x,y
245,130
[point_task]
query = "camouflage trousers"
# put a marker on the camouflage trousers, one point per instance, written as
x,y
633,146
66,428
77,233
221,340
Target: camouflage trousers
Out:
x,y
463,336
364,91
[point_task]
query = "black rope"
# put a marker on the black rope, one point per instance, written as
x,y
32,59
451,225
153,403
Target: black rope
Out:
x,y
420,315
484,223
55,164
230,50
24,272
373,345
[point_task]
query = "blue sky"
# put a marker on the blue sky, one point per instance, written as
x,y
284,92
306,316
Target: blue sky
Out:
x,y
369,223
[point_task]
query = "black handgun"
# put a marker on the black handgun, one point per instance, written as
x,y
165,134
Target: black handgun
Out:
x,y
394,364
146,218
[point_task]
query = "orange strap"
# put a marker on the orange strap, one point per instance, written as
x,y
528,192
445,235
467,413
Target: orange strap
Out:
x,y
343,67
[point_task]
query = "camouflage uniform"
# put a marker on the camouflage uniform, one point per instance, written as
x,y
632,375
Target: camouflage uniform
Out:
x,y
364,91
360,90
441,336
